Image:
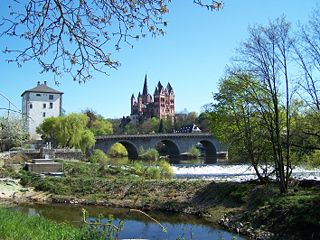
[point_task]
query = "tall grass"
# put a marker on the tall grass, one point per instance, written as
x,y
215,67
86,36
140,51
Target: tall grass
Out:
x,y
15,225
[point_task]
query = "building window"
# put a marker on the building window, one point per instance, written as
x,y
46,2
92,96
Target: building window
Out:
x,y
43,114
30,106
38,95
51,105
44,105
50,97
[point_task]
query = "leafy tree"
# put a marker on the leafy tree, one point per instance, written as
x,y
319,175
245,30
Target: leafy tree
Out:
x,y
236,120
150,125
68,131
101,127
97,124
48,129
12,132
64,36
266,55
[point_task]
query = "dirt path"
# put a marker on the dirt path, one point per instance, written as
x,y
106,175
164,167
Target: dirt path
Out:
x,y
11,190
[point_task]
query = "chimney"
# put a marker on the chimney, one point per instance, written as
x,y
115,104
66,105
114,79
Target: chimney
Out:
x,y
45,83
38,83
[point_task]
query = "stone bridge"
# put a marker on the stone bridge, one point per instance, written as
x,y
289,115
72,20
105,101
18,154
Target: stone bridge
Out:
x,y
176,143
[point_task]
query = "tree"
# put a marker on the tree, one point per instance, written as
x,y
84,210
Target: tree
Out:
x,y
12,132
68,131
236,121
265,55
101,127
307,52
76,37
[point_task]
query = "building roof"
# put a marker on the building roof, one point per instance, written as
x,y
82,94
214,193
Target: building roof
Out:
x,y
169,88
145,86
42,88
189,128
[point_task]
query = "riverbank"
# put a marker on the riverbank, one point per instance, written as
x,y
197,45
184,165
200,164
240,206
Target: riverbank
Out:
x,y
255,210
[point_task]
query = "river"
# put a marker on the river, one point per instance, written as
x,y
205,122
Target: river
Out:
x,y
136,225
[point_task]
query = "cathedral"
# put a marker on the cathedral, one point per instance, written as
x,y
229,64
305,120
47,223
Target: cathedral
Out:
x,y
160,106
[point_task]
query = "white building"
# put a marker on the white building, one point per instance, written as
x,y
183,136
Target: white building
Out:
x,y
39,103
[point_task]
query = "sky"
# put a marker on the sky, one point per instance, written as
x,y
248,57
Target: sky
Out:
x,y
192,56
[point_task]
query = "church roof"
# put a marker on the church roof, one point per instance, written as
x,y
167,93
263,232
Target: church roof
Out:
x,y
145,86
158,89
169,88
42,88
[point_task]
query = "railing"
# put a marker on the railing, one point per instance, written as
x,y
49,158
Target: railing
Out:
x,y
155,135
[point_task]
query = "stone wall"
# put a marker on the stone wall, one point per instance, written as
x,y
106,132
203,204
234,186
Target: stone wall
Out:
x,y
54,154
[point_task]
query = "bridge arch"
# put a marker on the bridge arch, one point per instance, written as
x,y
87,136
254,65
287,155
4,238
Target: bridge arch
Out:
x,y
210,151
131,148
171,147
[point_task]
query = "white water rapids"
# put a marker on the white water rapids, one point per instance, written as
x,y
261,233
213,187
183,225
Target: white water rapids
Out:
x,y
238,173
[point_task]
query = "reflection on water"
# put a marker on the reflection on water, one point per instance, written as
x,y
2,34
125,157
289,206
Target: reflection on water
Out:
x,y
136,225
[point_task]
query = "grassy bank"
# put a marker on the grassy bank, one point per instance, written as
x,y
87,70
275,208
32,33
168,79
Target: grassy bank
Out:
x,y
250,208
15,225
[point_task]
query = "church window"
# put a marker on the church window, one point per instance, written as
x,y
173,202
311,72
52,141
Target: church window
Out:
x,y
38,95
51,105
44,105
30,105
43,114
50,97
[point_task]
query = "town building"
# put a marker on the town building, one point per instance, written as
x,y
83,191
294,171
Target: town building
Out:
x,y
39,103
161,105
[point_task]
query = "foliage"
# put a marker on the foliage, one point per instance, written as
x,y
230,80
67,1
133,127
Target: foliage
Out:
x,y
15,225
12,132
293,216
97,124
236,120
98,230
194,152
166,169
148,154
118,150
313,159
98,156
101,127
68,131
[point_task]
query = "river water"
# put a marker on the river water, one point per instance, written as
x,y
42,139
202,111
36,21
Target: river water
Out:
x,y
233,172
136,225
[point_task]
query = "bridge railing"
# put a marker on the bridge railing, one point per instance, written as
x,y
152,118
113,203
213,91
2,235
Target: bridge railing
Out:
x,y
152,135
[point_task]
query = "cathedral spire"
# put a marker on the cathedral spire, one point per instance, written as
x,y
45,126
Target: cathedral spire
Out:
x,y
145,86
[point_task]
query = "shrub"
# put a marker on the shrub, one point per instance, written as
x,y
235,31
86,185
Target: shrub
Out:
x,y
118,150
194,152
166,169
98,157
153,173
149,154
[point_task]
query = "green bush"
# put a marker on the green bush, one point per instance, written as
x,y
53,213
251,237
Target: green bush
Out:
x,y
166,169
149,154
153,173
194,152
118,150
99,157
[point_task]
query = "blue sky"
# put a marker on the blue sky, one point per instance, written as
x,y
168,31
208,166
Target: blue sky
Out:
x,y
192,56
